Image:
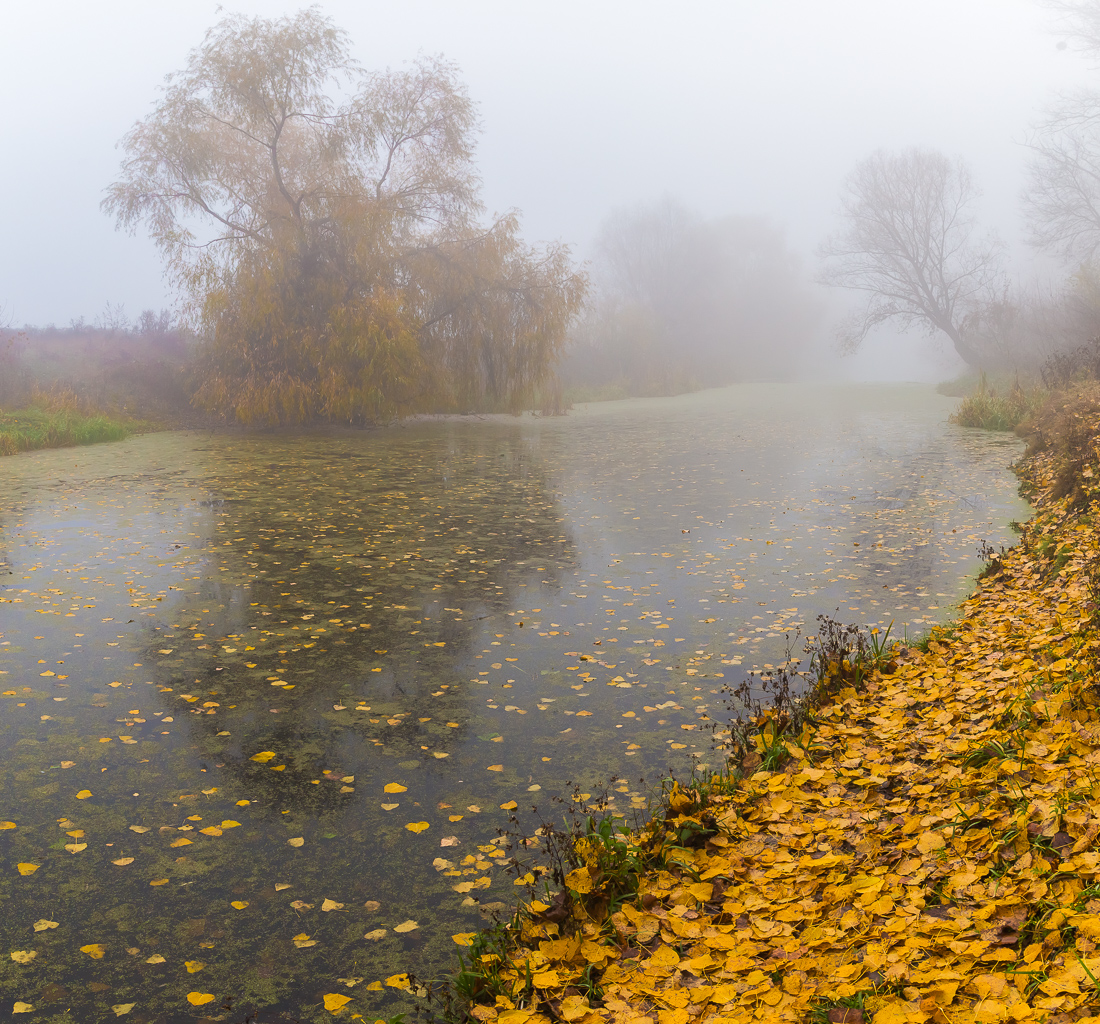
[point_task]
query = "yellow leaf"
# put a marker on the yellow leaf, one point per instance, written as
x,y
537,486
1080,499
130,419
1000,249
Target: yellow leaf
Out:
x,y
464,938
334,1002
156,958
43,924
239,904
180,842
496,768
374,936
21,1007
416,826
24,956
398,981
5,825
139,829
159,881
579,881
193,966
123,861
200,998
394,787
76,847
297,841
331,905
511,805
263,756
455,817
930,841
85,793
406,926
121,1009
374,986
94,949
243,803
229,823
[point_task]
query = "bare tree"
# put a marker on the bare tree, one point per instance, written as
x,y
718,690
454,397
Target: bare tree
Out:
x,y
910,242
1062,197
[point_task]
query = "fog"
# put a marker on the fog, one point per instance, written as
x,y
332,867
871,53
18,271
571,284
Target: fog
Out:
x,y
735,110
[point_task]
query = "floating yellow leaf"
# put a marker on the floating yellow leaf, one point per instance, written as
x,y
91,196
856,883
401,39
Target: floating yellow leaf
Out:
x,y
159,881
328,905
243,803
76,847
405,926
334,1002
5,825
84,794
123,861
398,981
200,998
193,966
296,841
455,817
24,956
280,886
390,807
182,841
394,787
26,869
121,1009
43,925
21,1007
464,938
374,986
229,823
156,958
239,904
139,829
211,830
417,826
378,933
263,756
94,949
496,768
511,805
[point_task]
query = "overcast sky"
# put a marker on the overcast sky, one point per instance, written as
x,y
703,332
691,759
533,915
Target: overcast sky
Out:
x,y
733,106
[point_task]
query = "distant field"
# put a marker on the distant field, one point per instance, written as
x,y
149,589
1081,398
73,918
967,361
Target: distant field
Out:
x,y
30,429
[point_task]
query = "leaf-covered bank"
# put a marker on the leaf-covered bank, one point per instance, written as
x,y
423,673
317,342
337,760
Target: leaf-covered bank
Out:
x,y
930,852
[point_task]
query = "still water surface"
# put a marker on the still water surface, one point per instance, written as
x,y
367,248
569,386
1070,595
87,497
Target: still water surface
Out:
x,y
255,685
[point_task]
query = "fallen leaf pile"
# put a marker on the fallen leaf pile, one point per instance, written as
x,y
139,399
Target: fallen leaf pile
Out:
x,y
930,853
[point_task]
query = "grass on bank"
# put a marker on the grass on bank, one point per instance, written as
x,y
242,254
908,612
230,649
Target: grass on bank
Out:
x,y
33,428
1005,408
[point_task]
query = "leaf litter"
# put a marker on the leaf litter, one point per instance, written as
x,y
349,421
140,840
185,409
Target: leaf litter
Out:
x,y
926,849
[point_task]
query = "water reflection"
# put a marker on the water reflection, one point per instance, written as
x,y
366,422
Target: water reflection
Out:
x,y
272,655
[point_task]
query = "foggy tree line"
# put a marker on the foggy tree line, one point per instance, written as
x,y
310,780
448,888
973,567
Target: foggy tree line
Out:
x,y
324,226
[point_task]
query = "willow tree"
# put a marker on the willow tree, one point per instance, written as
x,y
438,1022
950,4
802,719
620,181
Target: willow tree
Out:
x,y
326,228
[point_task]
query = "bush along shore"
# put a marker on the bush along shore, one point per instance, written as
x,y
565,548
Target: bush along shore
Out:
x,y
918,839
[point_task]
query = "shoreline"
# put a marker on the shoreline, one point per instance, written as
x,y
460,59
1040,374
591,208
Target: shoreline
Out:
x,y
929,852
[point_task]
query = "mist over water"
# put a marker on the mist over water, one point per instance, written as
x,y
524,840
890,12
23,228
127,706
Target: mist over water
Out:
x,y
414,627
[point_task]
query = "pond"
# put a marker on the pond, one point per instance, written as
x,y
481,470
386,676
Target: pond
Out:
x,y
304,680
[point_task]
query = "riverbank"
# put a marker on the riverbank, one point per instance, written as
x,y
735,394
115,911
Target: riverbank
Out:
x,y
930,851
32,429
